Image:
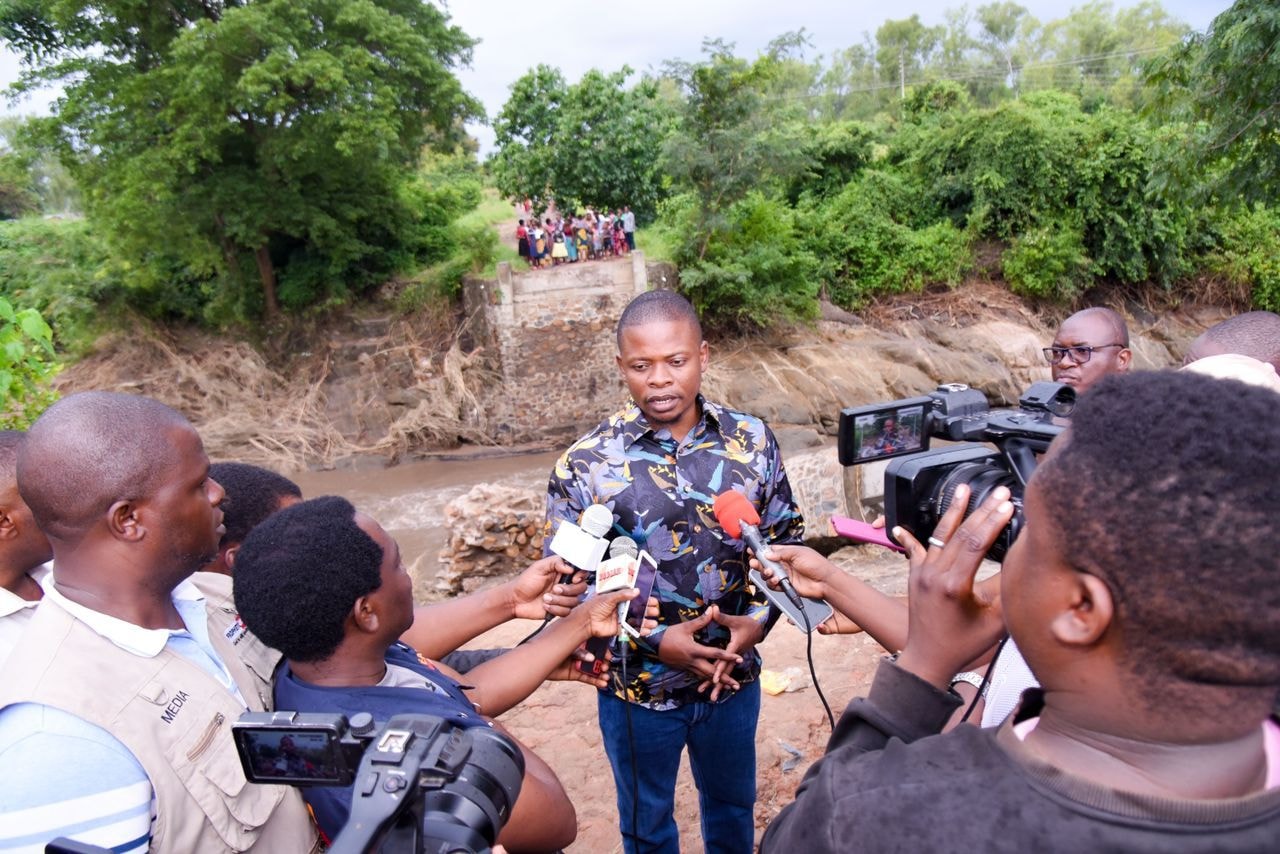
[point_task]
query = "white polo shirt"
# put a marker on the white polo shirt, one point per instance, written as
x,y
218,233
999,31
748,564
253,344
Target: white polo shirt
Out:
x,y
15,613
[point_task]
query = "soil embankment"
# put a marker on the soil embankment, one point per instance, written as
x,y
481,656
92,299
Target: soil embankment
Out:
x,y
370,388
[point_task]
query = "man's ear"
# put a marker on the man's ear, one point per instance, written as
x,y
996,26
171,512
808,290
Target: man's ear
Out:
x,y
1089,612
1124,357
8,525
124,522
365,615
229,556
704,356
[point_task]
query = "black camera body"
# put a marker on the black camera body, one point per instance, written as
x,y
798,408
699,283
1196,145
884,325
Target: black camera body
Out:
x,y
420,783
920,483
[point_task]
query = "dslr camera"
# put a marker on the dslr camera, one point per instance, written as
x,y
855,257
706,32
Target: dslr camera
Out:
x,y
920,483
419,784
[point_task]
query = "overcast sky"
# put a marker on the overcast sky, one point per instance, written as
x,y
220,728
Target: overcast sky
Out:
x,y
516,35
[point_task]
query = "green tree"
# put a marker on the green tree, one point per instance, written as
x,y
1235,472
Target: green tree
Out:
x,y
1098,53
594,142
1002,37
18,195
848,87
738,131
46,178
1227,80
527,135
27,365
279,136
905,48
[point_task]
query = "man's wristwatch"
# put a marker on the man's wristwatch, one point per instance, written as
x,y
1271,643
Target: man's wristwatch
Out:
x,y
974,679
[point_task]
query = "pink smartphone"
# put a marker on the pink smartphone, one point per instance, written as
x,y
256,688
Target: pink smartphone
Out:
x,y
863,532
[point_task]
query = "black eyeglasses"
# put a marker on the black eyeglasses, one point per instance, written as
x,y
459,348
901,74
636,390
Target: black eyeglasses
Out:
x,y
1079,355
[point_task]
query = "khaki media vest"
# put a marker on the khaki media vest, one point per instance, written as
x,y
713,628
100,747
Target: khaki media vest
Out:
x,y
176,720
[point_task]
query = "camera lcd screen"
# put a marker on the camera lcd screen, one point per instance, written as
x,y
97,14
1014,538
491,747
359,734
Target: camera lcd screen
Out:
x,y
870,433
291,756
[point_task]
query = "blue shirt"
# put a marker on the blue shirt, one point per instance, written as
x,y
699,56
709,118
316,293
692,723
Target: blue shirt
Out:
x,y
64,776
661,493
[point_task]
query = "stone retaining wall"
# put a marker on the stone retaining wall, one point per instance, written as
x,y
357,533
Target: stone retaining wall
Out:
x,y
551,332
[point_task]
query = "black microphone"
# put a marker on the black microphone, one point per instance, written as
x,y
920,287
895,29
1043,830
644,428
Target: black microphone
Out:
x,y
739,519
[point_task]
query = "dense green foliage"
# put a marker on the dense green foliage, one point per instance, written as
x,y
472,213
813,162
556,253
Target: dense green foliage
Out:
x,y
869,240
60,269
883,167
1228,79
590,143
236,157
27,365
261,152
752,268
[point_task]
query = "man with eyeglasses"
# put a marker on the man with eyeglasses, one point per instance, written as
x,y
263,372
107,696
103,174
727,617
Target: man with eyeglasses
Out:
x,y
1090,344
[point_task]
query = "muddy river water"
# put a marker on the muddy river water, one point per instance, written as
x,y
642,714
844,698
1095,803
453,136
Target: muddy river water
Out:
x,y
409,499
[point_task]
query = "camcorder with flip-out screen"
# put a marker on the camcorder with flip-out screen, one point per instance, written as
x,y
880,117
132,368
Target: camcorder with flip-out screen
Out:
x,y
419,783
920,482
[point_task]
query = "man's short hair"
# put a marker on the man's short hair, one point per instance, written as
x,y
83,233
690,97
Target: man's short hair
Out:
x,y
1112,317
10,441
299,573
1165,488
252,494
1254,333
90,450
657,306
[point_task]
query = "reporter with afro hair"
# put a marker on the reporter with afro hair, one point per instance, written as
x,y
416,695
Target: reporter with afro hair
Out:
x,y
325,585
1143,593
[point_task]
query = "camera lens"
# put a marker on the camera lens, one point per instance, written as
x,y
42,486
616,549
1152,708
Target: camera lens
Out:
x,y
982,479
480,799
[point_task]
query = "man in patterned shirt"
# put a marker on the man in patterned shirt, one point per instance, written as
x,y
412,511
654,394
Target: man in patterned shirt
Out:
x,y
657,466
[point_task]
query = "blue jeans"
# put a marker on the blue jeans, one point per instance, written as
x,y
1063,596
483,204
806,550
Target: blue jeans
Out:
x,y
722,755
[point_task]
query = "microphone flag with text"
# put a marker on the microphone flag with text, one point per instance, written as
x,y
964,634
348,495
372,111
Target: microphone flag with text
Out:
x,y
740,520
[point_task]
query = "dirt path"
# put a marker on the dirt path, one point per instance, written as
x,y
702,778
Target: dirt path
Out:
x,y
559,720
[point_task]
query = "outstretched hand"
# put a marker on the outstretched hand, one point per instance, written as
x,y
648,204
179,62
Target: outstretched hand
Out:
x,y
679,649
950,621
807,569
538,591
601,612
568,671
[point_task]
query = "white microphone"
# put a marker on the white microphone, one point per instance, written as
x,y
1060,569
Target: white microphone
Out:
x,y
583,545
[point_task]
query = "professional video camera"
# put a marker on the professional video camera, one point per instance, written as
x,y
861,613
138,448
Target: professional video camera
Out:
x,y
920,484
421,783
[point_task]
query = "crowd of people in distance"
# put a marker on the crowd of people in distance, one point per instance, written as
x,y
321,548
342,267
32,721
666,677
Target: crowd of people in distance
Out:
x,y
1114,687
581,236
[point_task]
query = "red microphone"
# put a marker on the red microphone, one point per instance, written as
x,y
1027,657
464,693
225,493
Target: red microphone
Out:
x,y
731,509
739,519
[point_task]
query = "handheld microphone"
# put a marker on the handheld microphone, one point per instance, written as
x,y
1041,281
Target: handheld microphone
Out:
x,y
583,545
739,519
626,549
612,574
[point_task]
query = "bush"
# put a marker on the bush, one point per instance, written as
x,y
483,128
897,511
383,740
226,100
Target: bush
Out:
x,y
1048,262
752,272
866,243
1248,254
26,366
61,269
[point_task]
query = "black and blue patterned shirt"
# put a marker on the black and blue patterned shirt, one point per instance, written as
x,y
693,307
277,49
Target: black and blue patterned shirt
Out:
x,y
660,492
